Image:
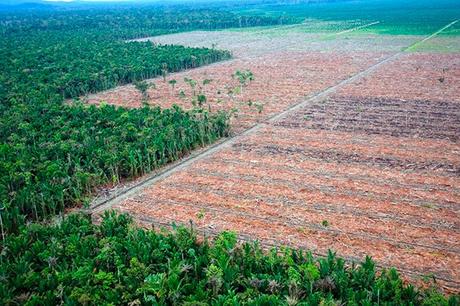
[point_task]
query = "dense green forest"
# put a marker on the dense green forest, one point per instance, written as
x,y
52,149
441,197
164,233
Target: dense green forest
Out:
x,y
57,154
131,22
53,154
73,53
117,263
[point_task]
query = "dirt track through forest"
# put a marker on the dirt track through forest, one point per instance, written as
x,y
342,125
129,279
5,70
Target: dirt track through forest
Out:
x,y
382,169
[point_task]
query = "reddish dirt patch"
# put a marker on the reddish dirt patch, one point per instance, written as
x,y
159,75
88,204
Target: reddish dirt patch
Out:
x,y
383,116
361,175
281,80
415,76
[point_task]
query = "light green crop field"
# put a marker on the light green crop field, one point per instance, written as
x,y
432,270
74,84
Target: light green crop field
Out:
x,y
405,17
365,20
306,26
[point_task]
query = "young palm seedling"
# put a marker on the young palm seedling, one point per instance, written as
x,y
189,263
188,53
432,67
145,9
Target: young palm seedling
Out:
x,y
244,78
172,83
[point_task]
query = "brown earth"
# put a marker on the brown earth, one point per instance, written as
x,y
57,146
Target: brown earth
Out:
x,y
372,169
416,76
280,81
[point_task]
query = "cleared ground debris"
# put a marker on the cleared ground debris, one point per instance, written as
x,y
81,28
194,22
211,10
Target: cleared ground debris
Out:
x,y
373,168
281,80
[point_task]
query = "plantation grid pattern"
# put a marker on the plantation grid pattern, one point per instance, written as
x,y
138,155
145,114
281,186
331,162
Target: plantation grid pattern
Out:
x,y
373,168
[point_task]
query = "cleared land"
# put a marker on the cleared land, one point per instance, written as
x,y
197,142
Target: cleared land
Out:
x,y
280,81
373,168
416,76
290,63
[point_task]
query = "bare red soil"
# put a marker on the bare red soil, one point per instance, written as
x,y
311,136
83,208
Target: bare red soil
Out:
x,y
355,173
281,80
416,76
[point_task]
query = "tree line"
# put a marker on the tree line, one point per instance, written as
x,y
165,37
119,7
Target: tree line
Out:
x,y
75,262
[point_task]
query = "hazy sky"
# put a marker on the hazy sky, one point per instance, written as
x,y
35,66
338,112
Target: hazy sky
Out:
x,y
83,0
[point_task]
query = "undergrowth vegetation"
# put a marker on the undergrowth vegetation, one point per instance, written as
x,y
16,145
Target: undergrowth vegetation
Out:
x,y
76,262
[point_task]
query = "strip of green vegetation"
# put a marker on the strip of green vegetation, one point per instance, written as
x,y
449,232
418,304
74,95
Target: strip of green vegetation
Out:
x,y
53,156
310,26
116,263
128,22
453,30
441,44
404,17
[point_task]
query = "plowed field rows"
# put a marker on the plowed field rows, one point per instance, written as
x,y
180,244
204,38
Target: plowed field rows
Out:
x,y
417,76
282,183
383,116
280,81
373,168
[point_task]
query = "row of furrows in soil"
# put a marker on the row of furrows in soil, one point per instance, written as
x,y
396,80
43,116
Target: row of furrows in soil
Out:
x,y
410,149
413,276
417,149
420,188
382,116
350,221
410,228
294,233
341,199
412,153
350,157
433,206
334,185
423,76
302,226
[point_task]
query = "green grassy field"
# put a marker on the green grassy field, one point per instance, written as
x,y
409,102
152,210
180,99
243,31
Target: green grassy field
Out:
x,y
406,17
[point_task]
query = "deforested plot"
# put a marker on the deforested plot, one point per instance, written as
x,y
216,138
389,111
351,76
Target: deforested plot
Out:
x,y
243,44
416,76
383,116
280,80
373,168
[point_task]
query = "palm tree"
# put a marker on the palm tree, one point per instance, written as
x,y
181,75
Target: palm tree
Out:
x,y
172,83
244,77
164,71
192,84
143,86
